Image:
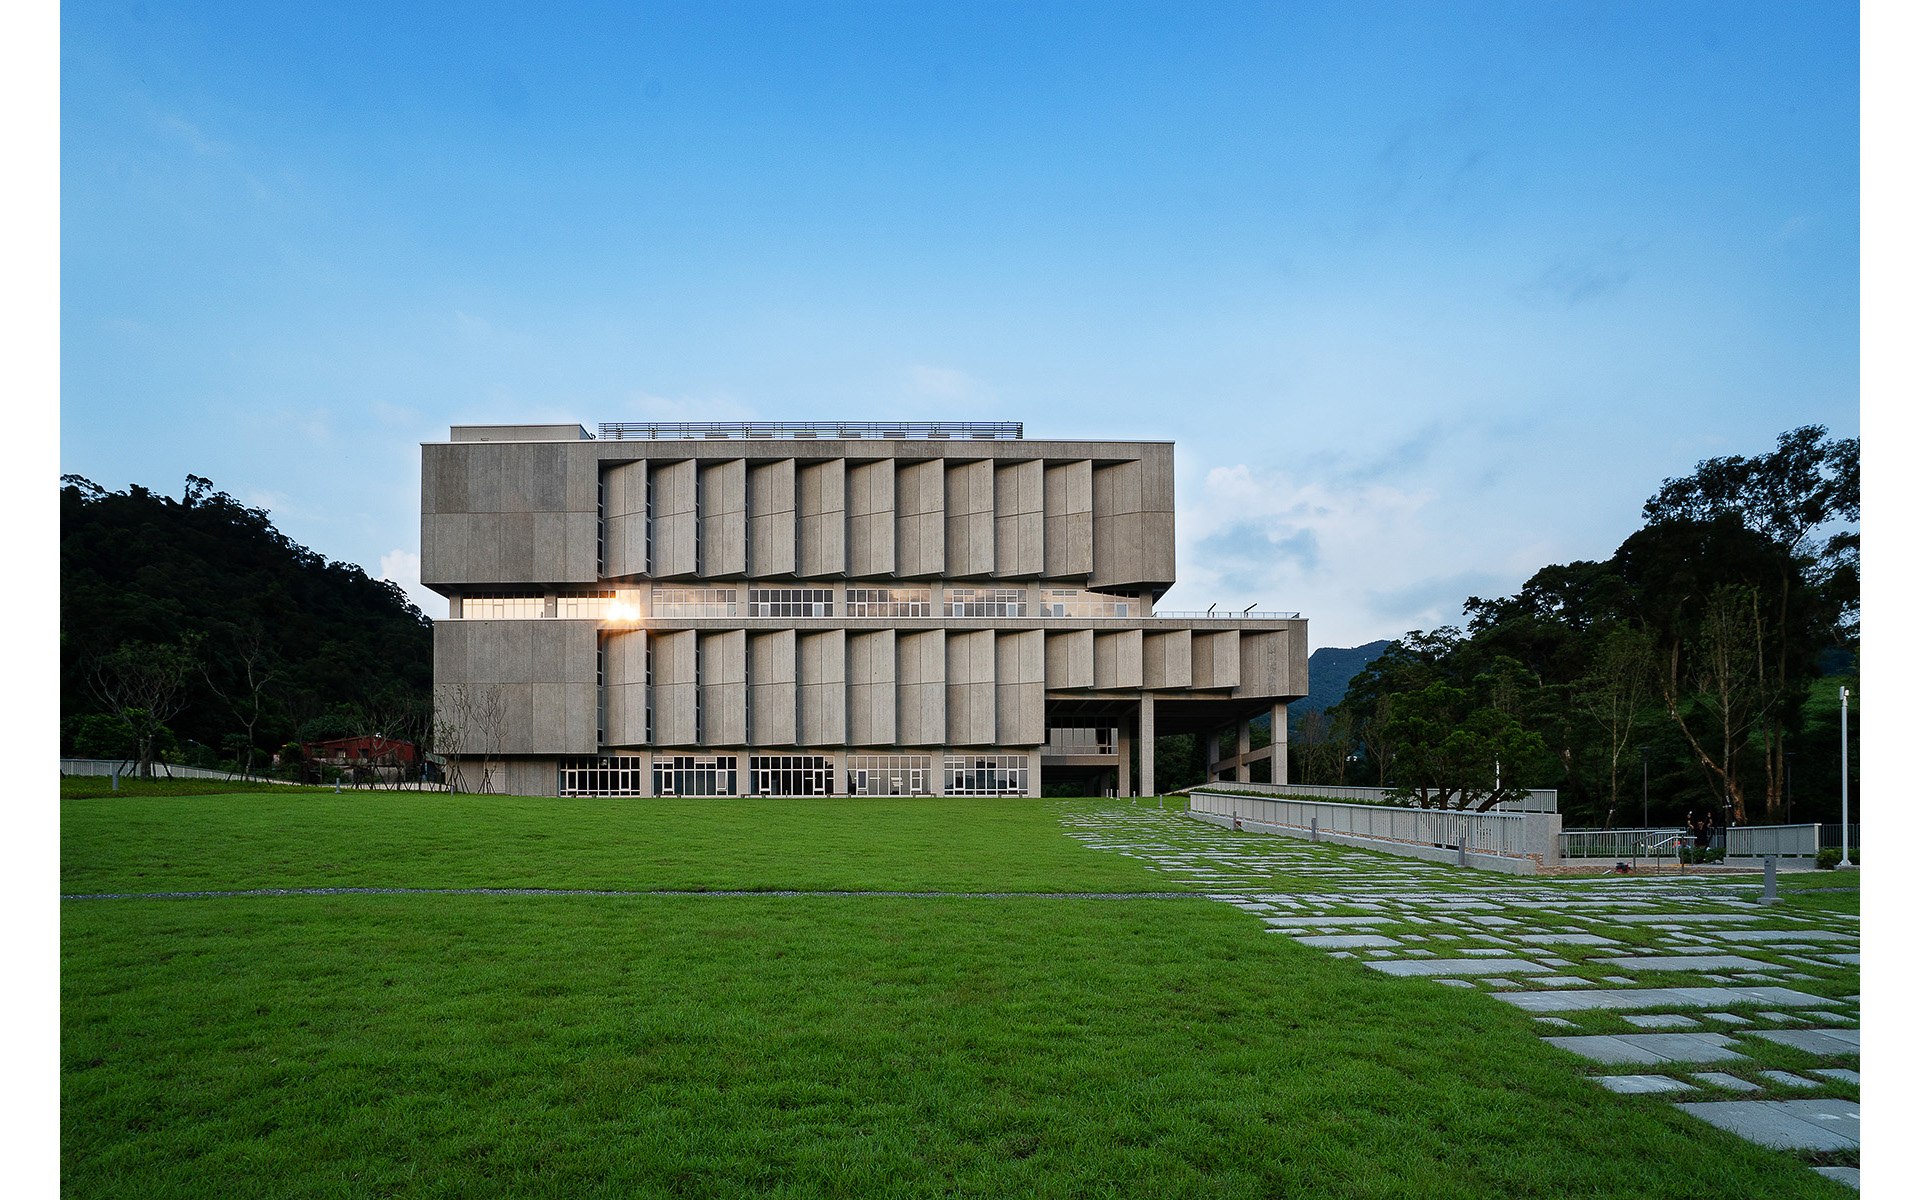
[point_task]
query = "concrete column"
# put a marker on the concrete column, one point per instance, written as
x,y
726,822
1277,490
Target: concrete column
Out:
x,y
1241,772
646,772
1146,744
842,786
1279,758
1213,754
1125,787
1033,772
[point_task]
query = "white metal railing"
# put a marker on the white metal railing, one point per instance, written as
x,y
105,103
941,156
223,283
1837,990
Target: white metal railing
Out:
x,y
1248,615
997,431
1539,800
1492,833
1786,841
1614,843
128,770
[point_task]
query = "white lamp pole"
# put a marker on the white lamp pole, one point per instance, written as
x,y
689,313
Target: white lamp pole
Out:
x,y
1845,859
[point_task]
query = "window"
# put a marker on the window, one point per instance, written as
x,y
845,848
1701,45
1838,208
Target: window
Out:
x,y
695,602
1082,741
986,775
581,605
889,602
986,602
695,775
612,775
790,602
503,608
595,605
889,774
1073,602
647,521
790,775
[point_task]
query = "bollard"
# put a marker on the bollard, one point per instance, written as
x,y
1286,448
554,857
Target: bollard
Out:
x,y
1316,829
1771,894
116,780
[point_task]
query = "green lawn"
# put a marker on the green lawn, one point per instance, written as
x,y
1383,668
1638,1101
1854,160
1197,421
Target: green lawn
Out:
x,y
1829,891
414,839
78,787
479,1046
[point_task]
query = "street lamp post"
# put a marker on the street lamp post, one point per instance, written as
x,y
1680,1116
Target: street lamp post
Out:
x,y
1845,859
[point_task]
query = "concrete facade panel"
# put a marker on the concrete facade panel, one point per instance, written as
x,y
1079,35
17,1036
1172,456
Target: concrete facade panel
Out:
x,y
450,651
1068,538
1020,520
1216,659
443,479
922,712
822,664
970,687
1117,660
1020,700
771,527
483,546
723,519
775,688
485,471
675,519
970,519
870,519
1167,660
1070,659
871,693
624,489
822,505
1262,670
580,561
443,549
920,546
673,688
1133,540
517,549
626,688
723,688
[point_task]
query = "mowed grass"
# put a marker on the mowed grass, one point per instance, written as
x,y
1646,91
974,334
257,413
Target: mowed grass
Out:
x,y
471,1045
144,843
479,1046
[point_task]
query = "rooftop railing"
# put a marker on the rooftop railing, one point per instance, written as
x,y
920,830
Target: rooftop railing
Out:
x,y
957,431
1228,615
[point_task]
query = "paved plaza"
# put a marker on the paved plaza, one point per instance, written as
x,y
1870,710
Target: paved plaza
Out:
x,y
1682,990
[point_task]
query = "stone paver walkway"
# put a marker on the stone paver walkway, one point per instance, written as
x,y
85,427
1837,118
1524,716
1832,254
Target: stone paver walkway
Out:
x,y
1604,961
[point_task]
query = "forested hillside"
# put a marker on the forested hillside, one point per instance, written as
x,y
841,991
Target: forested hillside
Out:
x,y
193,628
1329,670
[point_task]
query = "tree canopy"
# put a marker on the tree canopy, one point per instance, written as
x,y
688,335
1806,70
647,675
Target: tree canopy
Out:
x,y
1697,646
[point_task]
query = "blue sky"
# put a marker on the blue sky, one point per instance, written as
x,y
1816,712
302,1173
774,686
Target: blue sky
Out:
x,y
1428,295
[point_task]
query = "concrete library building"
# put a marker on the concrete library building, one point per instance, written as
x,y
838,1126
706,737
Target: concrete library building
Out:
x,y
826,608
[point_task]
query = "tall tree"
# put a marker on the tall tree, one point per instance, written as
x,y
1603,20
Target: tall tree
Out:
x,y
1795,499
1614,694
143,686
